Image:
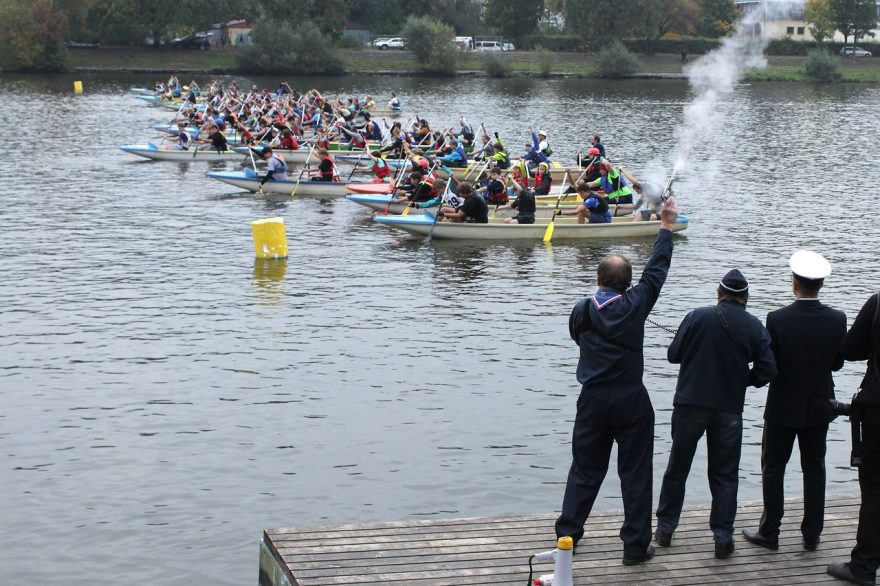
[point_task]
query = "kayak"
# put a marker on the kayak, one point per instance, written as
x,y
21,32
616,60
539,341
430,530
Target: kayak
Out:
x,y
201,153
248,180
563,228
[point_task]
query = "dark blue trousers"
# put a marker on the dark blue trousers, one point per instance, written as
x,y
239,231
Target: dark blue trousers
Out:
x,y
775,453
604,417
724,437
865,557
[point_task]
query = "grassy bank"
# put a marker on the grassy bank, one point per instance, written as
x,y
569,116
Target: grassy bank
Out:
x,y
137,59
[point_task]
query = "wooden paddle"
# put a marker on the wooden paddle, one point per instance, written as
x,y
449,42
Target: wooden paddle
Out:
x,y
548,233
254,163
301,173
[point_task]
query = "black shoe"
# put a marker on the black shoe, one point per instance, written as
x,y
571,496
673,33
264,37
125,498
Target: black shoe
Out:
x,y
662,538
842,572
639,559
755,536
811,544
723,550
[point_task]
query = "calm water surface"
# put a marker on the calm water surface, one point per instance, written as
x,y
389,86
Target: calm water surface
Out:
x,y
164,397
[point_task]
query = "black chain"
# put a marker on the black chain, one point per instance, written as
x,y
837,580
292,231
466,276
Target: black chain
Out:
x,y
662,327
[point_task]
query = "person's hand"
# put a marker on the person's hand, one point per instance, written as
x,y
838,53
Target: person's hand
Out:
x,y
668,214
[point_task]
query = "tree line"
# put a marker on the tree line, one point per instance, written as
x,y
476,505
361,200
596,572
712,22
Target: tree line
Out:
x,y
36,31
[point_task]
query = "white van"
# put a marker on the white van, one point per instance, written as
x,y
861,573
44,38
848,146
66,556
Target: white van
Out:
x,y
464,43
487,46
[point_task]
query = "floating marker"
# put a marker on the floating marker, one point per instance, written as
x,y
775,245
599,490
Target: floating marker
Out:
x,y
270,239
77,87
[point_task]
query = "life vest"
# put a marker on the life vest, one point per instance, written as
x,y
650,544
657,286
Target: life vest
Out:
x,y
381,171
288,142
280,159
539,180
333,176
323,143
521,174
358,141
496,194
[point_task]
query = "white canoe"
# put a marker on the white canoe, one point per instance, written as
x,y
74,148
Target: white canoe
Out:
x,y
385,112
202,153
141,91
249,181
564,229
379,203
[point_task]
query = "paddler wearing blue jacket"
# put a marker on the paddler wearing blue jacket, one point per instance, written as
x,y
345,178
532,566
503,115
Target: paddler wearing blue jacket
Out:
x,y
614,406
540,151
456,157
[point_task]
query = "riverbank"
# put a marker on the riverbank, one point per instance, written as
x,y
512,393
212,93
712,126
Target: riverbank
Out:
x,y
522,63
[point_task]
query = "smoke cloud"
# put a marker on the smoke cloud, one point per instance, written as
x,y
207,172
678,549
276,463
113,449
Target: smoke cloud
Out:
x,y
714,76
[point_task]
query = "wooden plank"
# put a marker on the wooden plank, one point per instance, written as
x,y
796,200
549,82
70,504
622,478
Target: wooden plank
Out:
x,y
496,550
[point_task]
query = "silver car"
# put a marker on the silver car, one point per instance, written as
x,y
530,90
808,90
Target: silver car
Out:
x,y
854,52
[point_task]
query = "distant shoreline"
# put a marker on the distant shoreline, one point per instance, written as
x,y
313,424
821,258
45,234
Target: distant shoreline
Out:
x,y
148,61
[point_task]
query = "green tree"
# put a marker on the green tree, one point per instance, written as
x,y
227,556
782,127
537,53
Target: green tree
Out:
x,y
820,15
599,20
659,17
431,44
716,18
33,35
329,16
854,18
514,19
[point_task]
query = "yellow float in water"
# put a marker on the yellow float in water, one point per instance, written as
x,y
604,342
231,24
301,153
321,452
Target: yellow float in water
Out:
x,y
77,87
270,239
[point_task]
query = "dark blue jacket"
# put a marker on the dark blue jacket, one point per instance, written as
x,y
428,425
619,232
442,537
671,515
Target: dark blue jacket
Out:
x,y
715,360
609,326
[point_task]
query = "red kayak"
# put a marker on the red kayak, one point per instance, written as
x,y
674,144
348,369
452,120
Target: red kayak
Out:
x,y
370,188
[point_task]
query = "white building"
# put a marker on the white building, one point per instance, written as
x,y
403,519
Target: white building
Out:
x,y
778,19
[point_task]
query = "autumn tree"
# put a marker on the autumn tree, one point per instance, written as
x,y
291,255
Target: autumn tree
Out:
x,y
514,19
854,18
820,15
34,33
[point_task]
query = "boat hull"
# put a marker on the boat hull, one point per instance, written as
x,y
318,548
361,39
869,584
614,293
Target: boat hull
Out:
x,y
564,229
202,154
379,203
250,182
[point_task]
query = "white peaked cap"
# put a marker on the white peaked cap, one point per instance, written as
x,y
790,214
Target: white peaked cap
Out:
x,y
809,265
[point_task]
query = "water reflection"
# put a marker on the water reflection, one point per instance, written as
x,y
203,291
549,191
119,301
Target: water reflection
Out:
x,y
269,280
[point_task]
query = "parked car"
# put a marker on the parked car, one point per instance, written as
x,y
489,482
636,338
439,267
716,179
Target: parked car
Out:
x,y
197,41
854,52
487,46
508,47
392,43
464,43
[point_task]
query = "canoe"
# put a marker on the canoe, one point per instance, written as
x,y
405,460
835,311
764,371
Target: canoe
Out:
x,y
141,91
152,100
203,153
379,203
557,172
564,229
383,112
248,180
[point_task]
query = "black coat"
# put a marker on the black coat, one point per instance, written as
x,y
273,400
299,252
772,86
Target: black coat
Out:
x,y
806,339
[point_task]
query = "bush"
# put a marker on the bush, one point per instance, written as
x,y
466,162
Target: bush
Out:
x,y
545,62
822,66
496,66
431,43
694,45
558,42
281,48
615,60
33,39
351,43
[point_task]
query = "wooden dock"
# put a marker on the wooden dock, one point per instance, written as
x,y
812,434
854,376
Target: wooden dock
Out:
x,y
496,551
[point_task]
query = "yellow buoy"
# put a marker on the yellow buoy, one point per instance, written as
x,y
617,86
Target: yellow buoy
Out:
x,y
270,239
77,87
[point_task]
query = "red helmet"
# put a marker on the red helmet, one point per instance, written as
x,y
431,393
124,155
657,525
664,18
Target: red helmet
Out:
x,y
594,151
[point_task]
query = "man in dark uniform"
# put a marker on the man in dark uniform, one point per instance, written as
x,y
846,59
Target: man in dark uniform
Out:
x,y
609,328
862,342
714,346
805,337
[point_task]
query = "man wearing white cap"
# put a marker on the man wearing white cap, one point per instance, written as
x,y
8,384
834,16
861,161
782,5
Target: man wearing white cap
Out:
x,y
806,338
715,347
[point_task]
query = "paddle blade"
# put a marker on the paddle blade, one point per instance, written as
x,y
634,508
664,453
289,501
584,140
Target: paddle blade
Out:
x,y
405,211
548,234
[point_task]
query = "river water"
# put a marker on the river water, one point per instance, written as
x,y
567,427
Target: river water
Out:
x,y
165,398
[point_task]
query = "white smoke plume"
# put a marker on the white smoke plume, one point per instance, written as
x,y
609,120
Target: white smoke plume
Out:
x,y
714,76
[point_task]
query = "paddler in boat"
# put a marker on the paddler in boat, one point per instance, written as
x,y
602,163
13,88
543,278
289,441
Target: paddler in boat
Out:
x,y
465,132
276,166
372,131
285,140
380,167
614,185
454,156
445,198
326,170
356,140
524,204
540,149
394,102
215,137
650,200
494,190
396,146
487,151
543,180
597,143
590,164
369,104
473,210
183,138
594,209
